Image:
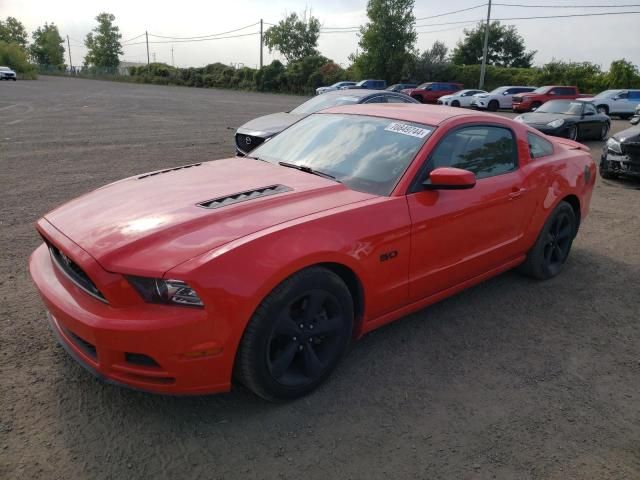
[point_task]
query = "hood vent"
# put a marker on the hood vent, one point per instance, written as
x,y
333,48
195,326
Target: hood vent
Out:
x,y
243,196
168,170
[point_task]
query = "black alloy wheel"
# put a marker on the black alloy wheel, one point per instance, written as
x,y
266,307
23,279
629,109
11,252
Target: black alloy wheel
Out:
x,y
455,103
551,250
297,336
493,106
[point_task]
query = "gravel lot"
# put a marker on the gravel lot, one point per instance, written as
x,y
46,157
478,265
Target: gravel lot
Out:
x,y
513,379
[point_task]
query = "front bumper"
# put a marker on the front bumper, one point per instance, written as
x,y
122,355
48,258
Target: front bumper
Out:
x,y
153,348
521,107
620,164
561,131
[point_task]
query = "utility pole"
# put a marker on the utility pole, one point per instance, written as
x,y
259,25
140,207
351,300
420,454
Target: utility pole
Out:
x,y
261,44
485,50
146,34
70,62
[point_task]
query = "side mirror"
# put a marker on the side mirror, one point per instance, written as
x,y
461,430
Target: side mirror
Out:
x,y
449,178
506,93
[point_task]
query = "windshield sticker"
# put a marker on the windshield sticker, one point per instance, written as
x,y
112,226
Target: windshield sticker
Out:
x,y
410,130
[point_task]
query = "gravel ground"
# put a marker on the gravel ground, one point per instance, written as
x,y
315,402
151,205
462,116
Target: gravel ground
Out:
x,y
512,379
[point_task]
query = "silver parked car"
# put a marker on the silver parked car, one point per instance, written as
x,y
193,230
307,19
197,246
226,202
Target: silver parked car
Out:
x,y
334,87
7,74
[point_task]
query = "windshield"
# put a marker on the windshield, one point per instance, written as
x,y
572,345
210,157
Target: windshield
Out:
x,y
561,107
367,154
607,93
325,101
499,90
541,90
424,85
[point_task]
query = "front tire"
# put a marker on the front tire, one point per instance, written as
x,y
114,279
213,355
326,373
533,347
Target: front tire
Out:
x,y
551,250
297,336
455,103
493,106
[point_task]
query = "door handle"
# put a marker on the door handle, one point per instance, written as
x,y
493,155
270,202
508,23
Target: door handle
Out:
x,y
516,193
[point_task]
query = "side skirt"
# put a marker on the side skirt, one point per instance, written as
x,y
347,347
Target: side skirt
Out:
x,y
425,302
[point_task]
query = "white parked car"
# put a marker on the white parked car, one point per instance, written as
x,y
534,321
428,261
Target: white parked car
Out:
x,y
462,98
621,103
335,86
7,74
501,97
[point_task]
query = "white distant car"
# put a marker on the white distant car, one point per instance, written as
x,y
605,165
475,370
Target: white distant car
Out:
x,y
501,97
335,86
7,74
462,98
621,103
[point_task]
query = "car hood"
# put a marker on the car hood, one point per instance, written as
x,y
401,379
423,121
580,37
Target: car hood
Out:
x,y
629,135
446,97
544,118
148,224
270,124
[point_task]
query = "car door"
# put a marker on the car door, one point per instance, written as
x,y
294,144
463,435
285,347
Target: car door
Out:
x,y
590,122
459,234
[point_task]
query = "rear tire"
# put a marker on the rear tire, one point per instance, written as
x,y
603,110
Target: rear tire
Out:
x,y
297,336
551,250
493,106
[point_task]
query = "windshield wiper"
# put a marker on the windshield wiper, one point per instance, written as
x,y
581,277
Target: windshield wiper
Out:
x,y
306,169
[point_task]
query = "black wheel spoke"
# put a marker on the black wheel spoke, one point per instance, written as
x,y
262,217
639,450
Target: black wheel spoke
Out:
x,y
311,363
565,232
284,359
286,326
328,326
559,252
314,304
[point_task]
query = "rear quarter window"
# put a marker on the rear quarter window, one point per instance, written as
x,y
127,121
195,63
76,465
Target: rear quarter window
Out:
x,y
538,146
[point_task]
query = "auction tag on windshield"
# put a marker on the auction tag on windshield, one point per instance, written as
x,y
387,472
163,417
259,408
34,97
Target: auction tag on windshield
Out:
x,y
410,130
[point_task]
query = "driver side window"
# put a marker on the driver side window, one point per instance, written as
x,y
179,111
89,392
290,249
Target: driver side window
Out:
x,y
484,150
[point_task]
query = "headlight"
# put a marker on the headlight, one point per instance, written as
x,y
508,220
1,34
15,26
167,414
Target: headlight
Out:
x,y
614,145
519,118
168,292
556,123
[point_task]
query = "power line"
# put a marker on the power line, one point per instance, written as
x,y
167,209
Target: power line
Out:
x,y
564,6
205,36
134,38
196,40
452,12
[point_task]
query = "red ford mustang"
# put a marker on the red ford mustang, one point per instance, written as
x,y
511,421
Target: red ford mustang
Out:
x,y
263,269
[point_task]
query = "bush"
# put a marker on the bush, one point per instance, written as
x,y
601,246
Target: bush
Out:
x,y
14,56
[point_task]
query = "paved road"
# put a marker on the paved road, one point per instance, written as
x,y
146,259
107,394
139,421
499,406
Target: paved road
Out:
x,y
510,379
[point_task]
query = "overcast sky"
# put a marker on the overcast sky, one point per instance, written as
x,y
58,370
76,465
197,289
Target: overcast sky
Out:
x,y
594,39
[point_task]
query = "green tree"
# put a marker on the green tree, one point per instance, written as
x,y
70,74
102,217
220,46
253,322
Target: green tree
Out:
x,y
506,47
294,37
47,47
623,74
14,56
387,40
103,43
13,31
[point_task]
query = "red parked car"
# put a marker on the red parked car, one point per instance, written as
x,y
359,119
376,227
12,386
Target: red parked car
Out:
x,y
264,268
430,92
525,102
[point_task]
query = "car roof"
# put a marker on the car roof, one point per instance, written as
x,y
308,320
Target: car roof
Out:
x,y
359,93
408,112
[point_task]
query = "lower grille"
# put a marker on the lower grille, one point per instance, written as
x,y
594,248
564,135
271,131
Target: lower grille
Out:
x,y
140,359
246,143
74,273
81,343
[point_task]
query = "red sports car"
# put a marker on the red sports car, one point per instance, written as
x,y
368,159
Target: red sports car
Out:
x,y
263,269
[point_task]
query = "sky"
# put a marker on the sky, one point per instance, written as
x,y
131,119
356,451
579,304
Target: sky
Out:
x,y
594,39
